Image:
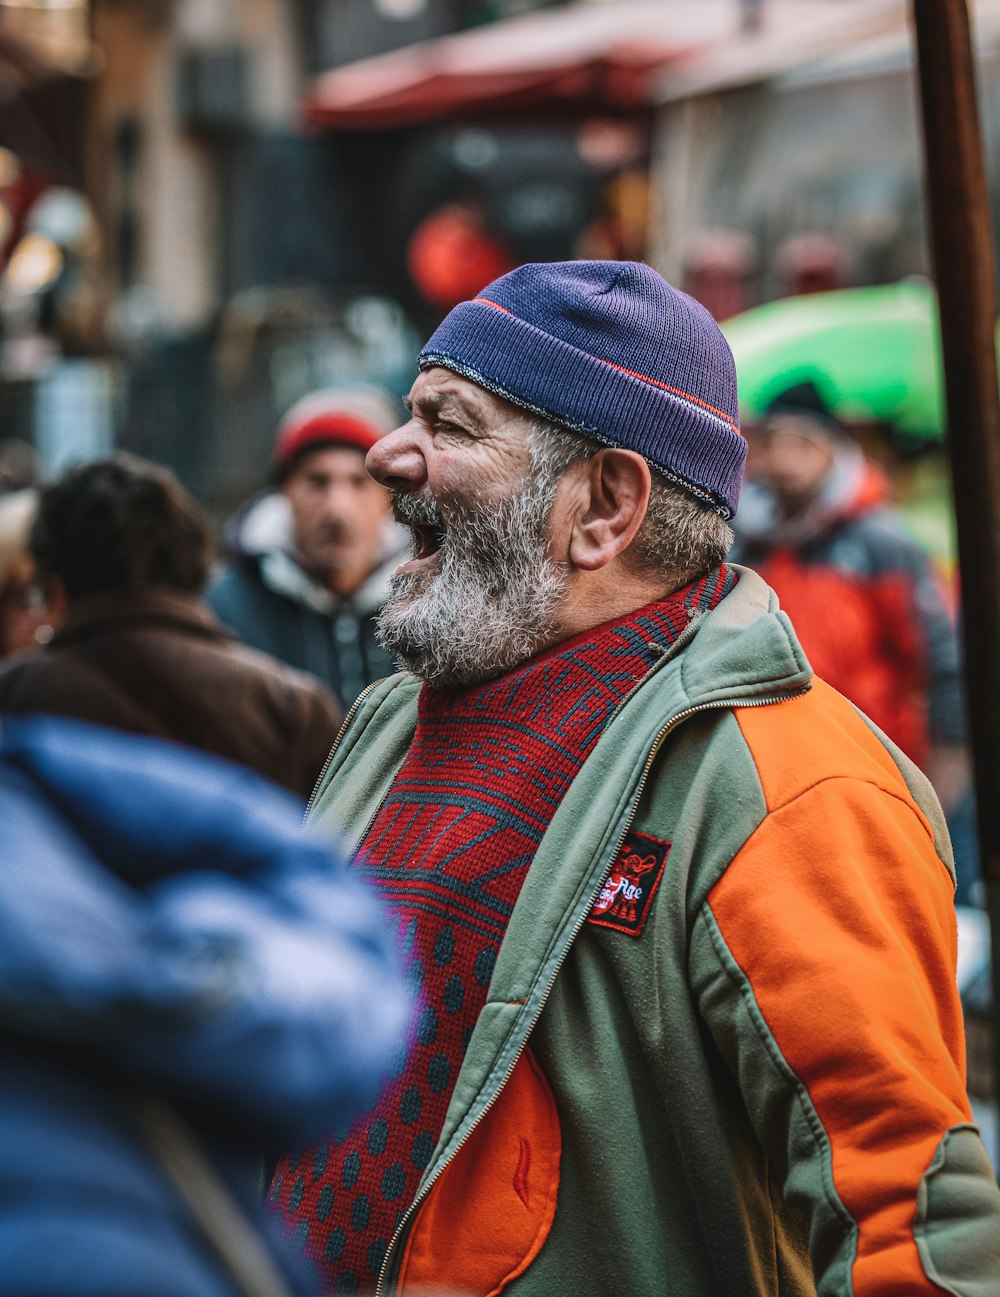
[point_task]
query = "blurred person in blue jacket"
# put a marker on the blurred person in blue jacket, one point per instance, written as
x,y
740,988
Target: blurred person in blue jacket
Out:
x,y
186,982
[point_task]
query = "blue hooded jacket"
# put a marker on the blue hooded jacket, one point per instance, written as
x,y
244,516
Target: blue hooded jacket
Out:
x,y
167,928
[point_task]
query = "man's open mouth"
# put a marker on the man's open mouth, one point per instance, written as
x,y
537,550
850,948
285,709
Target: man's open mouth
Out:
x,y
428,538
424,520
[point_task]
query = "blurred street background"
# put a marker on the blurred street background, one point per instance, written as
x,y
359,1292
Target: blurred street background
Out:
x,y
210,208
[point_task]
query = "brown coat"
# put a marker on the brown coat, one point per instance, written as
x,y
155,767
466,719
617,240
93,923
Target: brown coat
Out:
x,y
155,661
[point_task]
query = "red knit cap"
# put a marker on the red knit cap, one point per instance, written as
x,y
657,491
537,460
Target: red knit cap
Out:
x,y
354,417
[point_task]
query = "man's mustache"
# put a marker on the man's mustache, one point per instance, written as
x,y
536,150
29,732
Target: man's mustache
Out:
x,y
416,510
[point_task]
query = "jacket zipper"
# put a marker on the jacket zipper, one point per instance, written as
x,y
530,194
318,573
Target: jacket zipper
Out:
x,y
643,779
336,744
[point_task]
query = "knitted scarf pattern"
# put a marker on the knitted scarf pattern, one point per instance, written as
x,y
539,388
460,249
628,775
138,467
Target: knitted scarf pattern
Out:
x,y
449,849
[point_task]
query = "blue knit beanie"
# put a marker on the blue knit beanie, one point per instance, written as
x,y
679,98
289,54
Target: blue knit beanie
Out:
x,y
609,349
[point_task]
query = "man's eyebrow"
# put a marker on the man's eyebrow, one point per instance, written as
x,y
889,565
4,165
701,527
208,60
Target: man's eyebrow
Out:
x,y
437,403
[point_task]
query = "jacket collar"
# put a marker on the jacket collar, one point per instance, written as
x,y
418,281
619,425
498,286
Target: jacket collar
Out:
x,y
281,573
744,648
138,604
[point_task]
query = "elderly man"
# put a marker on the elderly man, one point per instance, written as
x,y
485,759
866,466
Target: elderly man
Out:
x,y
681,919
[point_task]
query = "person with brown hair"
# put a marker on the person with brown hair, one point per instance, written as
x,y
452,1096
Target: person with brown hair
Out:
x,y
126,550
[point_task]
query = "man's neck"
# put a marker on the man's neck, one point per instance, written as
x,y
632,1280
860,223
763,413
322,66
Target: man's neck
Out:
x,y
607,595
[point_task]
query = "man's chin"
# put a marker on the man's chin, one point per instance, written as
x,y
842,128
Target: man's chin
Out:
x,y
448,652
407,587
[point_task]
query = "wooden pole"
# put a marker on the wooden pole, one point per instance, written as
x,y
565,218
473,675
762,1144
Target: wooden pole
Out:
x,y
965,270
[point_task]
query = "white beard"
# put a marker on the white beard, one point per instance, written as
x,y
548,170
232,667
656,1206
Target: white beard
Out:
x,y
490,602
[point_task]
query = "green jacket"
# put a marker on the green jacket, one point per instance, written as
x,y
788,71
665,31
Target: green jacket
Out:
x,y
760,1089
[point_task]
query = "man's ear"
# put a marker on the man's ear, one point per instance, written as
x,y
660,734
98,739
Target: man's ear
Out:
x,y
615,493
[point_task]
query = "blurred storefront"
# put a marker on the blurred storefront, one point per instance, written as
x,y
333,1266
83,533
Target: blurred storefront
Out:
x,y
181,259
806,158
668,133
809,150
209,206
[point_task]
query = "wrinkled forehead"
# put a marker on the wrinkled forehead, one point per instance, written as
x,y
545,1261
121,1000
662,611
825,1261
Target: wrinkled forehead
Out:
x,y
442,392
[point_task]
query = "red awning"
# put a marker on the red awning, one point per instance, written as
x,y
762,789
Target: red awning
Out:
x,y
588,58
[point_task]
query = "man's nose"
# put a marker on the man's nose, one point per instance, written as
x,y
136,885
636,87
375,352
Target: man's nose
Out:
x,y
397,460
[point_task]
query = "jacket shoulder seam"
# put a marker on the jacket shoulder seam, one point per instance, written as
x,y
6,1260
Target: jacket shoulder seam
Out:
x,y
851,779
910,805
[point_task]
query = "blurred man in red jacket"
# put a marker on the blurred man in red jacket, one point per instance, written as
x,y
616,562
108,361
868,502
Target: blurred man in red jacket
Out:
x,y
815,521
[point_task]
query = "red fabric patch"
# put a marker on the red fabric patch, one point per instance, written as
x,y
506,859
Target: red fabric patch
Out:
x,y
628,893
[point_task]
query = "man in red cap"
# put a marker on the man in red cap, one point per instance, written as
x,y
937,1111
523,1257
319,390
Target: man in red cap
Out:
x,y
312,555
